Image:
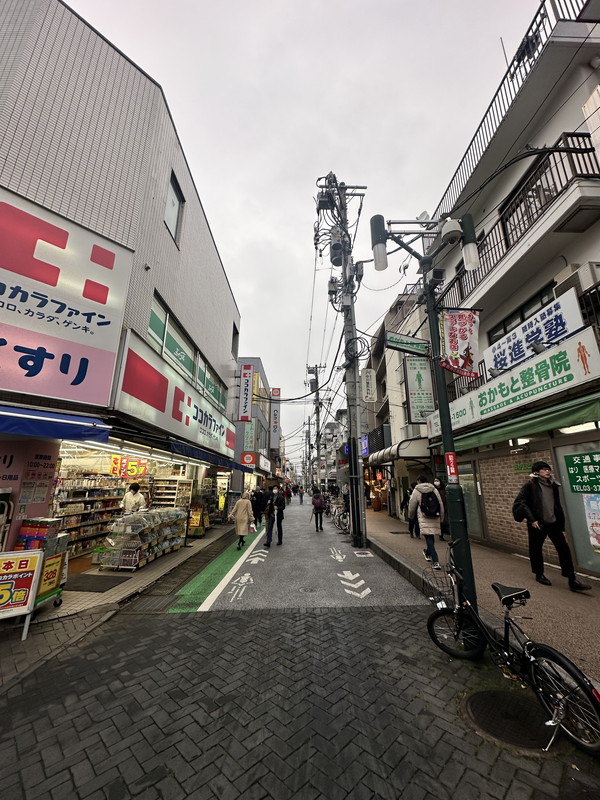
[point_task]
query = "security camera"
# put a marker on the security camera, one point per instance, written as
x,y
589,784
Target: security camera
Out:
x,y
451,231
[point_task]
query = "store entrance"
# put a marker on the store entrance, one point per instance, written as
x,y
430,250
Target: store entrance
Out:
x,y
469,480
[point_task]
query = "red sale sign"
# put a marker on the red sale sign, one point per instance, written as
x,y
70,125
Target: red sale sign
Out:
x,y
19,577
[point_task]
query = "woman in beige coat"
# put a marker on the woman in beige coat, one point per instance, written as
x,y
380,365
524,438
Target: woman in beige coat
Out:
x,y
243,516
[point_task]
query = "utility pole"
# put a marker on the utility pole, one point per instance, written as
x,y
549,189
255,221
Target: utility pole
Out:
x,y
308,453
334,197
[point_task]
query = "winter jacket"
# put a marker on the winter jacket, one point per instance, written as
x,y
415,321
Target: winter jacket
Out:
x,y
427,525
243,515
276,503
529,502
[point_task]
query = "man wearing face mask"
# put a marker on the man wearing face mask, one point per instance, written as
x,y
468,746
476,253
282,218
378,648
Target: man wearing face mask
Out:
x,y
274,512
538,502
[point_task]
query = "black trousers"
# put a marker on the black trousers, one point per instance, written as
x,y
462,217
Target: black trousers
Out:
x,y
536,541
318,519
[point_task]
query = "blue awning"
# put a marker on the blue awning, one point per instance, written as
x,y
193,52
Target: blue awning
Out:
x,y
51,425
200,454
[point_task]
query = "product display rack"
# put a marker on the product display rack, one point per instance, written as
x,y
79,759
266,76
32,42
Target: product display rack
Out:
x,y
172,492
135,540
86,506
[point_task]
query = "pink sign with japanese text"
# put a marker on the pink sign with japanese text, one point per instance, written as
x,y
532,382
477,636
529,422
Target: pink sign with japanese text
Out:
x,y
62,295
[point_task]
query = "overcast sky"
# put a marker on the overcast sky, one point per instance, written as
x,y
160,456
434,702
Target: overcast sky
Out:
x,y
269,95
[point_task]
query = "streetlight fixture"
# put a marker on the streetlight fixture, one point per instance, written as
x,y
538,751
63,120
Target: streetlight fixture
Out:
x,y
452,231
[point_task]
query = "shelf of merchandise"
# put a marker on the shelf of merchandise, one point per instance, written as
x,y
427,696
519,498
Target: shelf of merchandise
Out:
x,y
70,500
135,540
172,492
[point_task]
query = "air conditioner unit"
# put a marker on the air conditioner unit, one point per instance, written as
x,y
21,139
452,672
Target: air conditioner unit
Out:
x,y
565,272
589,274
573,281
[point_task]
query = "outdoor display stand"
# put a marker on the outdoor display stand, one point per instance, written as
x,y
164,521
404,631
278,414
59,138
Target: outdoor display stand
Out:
x,y
20,574
54,577
135,540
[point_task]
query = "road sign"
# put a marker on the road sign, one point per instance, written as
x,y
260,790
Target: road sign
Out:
x,y
406,344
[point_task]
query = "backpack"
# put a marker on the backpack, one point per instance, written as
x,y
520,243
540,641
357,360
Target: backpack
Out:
x,y
318,503
429,505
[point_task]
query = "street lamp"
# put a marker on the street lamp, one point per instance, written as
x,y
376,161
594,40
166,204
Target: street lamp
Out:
x,y
451,231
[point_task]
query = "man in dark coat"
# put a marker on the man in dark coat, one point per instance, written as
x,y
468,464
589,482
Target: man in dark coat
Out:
x,y
538,502
274,513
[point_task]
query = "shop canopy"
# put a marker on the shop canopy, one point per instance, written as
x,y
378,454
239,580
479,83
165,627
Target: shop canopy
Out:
x,y
573,412
188,450
51,425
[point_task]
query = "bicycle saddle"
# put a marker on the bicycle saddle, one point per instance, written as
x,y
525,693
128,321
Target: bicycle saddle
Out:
x,y
509,595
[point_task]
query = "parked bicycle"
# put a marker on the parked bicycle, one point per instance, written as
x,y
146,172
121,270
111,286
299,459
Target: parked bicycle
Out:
x,y
340,517
567,694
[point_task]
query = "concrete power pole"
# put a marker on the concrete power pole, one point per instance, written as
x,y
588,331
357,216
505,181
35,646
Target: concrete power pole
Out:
x,y
314,387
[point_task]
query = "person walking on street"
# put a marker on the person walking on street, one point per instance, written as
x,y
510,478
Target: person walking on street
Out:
x,y
346,497
257,501
444,527
538,503
426,505
413,522
301,495
318,506
287,492
274,513
243,516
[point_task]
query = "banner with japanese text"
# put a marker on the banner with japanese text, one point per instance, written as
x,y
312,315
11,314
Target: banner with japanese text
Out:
x,y
555,321
274,415
246,391
19,578
459,335
152,391
62,295
568,365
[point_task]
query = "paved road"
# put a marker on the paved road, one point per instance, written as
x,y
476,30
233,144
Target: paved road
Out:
x,y
276,693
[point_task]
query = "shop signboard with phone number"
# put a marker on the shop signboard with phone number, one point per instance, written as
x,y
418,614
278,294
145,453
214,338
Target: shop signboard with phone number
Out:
x,y
19,578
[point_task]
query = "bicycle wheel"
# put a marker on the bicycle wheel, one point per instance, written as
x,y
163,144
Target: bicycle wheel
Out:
x,y
568,696
454,633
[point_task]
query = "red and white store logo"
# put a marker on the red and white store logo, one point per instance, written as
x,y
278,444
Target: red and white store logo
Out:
x,y
248,459
275,392
62,295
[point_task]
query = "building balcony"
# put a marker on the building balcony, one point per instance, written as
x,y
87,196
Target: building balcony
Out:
x,y
562,187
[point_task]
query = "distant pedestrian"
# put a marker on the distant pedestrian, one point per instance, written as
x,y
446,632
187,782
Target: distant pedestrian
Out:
x,y
287,493
301,494
444,526
426,505
346,496
258,505
274,513
538,503
318,505
413,522
243,516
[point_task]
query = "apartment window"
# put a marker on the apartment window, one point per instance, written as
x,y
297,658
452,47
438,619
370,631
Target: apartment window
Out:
x,y
174,209
528,309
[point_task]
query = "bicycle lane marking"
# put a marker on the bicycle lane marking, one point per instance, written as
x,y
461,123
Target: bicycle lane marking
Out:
x,y
222,585
192,595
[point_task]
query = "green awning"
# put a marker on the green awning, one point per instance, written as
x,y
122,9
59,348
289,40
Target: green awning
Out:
x,y
573,412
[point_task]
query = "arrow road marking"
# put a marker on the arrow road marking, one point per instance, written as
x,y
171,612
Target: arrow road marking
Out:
x,y
258,557
353,585
364,593
348,575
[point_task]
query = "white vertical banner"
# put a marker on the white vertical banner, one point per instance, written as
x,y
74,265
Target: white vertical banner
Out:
x,y
275,423
249,428
245,403
459,333
369,385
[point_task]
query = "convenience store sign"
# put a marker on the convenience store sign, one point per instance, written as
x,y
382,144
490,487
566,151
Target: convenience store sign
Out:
x,y
572,363
150,390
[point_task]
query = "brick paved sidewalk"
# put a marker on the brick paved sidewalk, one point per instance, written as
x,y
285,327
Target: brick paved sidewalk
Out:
x,y
563,619
53,630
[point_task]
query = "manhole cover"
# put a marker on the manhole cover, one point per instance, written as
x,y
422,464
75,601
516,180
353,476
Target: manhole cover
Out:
x,y
510,717
307,589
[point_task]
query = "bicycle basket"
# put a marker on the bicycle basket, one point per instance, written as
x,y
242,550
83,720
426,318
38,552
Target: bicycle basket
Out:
x,y
437,587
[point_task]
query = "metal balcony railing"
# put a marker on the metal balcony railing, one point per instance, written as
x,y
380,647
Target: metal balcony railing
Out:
x,y
549,14
548,180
